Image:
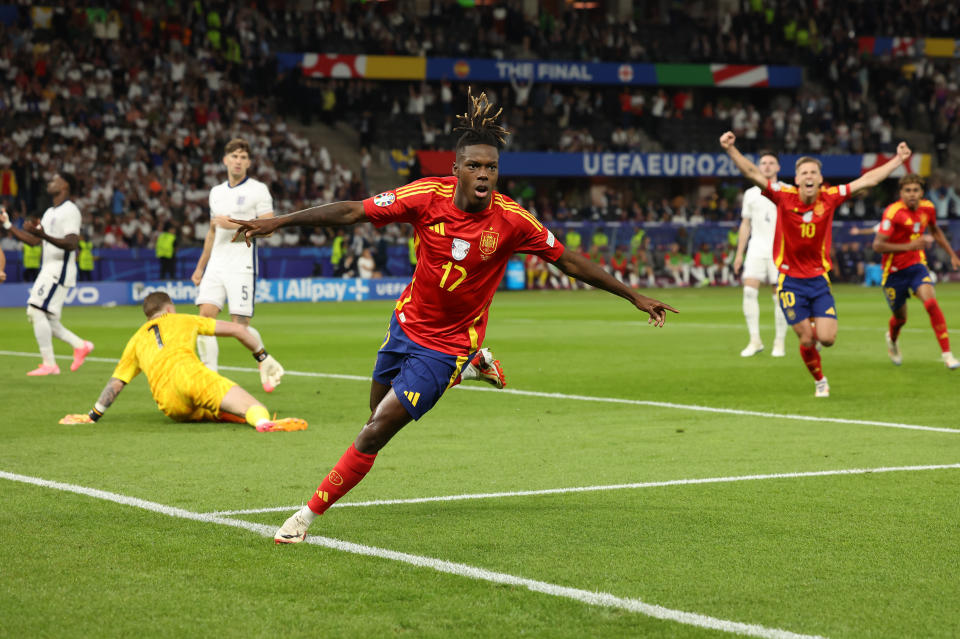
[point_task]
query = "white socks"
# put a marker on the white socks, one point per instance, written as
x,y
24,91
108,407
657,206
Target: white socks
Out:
x,y
751,311
63,333
308,515
43,333
779,321
208,350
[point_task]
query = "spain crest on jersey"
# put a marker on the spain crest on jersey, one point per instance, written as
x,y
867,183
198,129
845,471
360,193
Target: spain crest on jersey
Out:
x,y
459,249
818,208
488,242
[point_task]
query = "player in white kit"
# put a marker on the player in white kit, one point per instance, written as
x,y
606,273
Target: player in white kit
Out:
x,y
759,224
227,270
59,231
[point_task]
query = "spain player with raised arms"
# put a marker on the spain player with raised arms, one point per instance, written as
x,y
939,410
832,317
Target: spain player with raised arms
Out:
x,y
901,238
465,234
185,390
801,245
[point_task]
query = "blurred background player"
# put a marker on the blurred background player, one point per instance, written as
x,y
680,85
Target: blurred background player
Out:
x,y
901,239
757,226
59,235
184,389
802,246
440,323
227,270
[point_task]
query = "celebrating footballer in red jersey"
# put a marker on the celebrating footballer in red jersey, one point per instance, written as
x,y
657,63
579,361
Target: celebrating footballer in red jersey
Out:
x,y
461,258
901,238
801,247
465,233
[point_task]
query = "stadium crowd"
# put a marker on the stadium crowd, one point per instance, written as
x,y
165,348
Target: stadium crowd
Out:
x,y
142,98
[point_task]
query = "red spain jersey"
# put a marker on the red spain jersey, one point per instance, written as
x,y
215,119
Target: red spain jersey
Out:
x,y
461,258
900,225
801,241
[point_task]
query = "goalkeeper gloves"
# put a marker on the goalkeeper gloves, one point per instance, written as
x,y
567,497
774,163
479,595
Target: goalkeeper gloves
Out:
x,y
270,370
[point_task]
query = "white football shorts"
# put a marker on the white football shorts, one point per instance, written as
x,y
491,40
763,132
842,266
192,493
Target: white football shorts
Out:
x,y
237,289
760,268
47,294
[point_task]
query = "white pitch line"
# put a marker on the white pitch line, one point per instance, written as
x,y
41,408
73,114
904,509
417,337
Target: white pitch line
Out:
x,y
590,398
585,489
461,570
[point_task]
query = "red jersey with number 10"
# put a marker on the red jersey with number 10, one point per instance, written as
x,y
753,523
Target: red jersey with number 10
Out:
x,y
901,225
461,258
801,241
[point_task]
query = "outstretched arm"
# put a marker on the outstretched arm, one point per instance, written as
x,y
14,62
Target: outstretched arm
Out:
x,y
575,265
875,176
941,239
333,214
748,168
20,234
110,392
240,332
270,369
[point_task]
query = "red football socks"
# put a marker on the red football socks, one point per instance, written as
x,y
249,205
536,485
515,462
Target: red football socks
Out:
x,y
347,473
894,327
938,323
811,357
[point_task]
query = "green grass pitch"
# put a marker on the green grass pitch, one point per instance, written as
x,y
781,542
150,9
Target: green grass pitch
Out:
x,y
859,554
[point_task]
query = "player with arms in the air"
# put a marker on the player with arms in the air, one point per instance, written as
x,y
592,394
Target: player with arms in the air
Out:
x,y
756,233
901,238
184,389
59,232
801,245
466,233
227,271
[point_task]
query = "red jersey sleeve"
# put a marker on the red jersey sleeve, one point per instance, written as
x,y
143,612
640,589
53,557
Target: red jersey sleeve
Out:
x,y
773,191
888,219
401,204
836,195
539,240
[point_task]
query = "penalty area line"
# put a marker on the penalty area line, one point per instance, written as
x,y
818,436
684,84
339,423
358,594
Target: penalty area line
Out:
x,y
590,398
585,489
600,599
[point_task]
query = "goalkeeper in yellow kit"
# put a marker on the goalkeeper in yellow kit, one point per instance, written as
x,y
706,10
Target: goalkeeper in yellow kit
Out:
x,y
184,389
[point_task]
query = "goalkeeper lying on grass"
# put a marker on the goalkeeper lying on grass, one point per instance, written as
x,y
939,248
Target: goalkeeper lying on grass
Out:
x,y
186,390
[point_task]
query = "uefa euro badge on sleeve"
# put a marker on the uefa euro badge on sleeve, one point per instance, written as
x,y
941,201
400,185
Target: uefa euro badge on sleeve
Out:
x,y
384,199
460,248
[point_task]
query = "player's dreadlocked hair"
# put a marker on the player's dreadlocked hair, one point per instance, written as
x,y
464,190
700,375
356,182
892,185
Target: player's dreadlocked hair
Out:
x,y
479,124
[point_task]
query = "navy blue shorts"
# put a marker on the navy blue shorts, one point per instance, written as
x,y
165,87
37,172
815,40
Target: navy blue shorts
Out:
x,y
419,375
897,285
805,297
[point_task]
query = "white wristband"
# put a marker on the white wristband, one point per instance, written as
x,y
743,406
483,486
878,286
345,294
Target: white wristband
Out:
x,y
100,407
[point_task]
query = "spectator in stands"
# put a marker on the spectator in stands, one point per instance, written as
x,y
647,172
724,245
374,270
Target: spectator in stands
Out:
x,y
704,268
366,266
678,264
